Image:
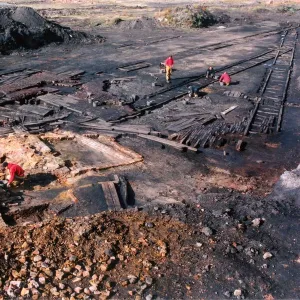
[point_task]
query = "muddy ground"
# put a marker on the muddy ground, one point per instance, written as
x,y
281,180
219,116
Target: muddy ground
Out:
x,y
219,223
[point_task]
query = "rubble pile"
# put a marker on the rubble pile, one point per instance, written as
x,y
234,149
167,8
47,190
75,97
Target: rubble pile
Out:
x,y
23,27
167,251
140,23
189,16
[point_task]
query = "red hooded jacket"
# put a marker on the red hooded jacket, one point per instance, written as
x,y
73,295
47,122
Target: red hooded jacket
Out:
x,y
13,171
169,61
225,78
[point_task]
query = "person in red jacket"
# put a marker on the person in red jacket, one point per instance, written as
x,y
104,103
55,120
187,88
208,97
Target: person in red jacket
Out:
x,y
15,172
225,79
169,65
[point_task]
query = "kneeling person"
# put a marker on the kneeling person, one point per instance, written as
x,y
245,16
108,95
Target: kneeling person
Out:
x,y
16,173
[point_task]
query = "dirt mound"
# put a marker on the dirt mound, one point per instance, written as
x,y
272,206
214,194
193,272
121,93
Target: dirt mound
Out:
x,y
188,16
222,18
214,249
23,27
141,23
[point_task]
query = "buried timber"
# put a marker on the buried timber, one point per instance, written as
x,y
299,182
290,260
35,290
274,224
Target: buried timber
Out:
x,y
134,174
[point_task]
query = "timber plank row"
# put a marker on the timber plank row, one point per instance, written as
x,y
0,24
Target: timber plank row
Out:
x,y
267,115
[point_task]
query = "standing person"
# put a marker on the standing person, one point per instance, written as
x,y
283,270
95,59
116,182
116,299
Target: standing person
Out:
x,y
210,72
15,172
169,65
225,79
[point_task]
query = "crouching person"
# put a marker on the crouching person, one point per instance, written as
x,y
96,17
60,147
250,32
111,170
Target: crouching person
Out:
x,y
16,173
225,79
210,72
193,91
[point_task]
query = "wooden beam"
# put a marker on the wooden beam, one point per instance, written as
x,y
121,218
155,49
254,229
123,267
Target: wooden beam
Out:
x,y
111,195
228,110
168,143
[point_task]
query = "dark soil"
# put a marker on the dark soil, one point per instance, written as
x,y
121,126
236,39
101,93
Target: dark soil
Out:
x,y
23,27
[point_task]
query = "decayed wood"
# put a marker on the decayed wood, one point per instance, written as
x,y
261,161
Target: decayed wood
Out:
x,y
208,120
178,126
11,71
35,109
50,89
225,112
46,120
240,145
122,79
251,118
60,101
134,67
188,114
168,142
111,195
72,73
109,127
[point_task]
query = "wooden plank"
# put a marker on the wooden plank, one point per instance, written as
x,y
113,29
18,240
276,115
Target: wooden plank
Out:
x,y
50,89
60,101
267,112
6,72
46,120
228,110
35,109
167,142
72,73
251,118
188,114
111,195
129,78
181,126
135,67
208,120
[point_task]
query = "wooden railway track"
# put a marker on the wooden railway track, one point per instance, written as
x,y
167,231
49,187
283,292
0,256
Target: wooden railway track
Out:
x,y
267,115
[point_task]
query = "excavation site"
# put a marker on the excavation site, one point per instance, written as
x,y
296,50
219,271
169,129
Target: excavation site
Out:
x,y
149,150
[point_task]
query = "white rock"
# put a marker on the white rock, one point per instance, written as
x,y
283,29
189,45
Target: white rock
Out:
x,y
61,286
256,222
238,293
78,289
92,288
267,255
24,292
37,258
42,280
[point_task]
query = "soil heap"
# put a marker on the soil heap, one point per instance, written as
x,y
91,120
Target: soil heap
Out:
x,y
140,23
23,27
188,16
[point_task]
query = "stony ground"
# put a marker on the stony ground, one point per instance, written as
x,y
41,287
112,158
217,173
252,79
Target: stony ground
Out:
x,y
223,247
